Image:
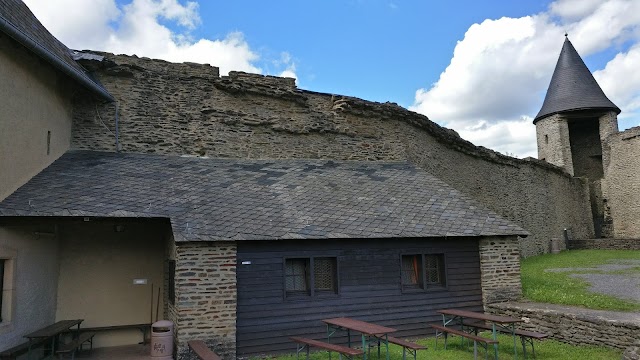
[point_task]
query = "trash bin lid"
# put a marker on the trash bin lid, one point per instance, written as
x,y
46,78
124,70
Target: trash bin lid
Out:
x,y
162,323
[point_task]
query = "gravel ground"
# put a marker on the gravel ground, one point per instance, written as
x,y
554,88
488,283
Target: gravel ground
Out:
x,y
623,286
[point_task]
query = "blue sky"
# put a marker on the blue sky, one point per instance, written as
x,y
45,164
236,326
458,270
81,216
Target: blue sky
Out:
x,y
378,50
478,67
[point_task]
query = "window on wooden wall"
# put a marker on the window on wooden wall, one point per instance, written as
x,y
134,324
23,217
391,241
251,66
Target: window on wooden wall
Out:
x,y
412,272
7,271
313,276
422,271
2,261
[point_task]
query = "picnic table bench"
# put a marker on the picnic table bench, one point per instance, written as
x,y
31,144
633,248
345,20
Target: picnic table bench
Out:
x,y
145,328
14,352
202,350
484,342
504,323
75,344
305,344
367,330
525,335
407,346
51,332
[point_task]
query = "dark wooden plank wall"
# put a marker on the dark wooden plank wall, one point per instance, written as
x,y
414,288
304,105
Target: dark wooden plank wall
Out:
x,y
370,290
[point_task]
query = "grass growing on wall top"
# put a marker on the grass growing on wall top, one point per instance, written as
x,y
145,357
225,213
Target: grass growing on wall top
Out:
x,y
558,287
547,350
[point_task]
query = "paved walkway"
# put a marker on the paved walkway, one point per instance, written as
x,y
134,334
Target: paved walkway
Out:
x,y
619,279
127,352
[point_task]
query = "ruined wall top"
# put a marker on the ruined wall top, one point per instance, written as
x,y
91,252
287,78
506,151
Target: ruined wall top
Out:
x,y
242,83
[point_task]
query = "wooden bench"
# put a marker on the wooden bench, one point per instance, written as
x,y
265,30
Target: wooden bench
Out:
x,y
76,344
407,346
525,335
202,350
305,344
14,352
144,329
484,342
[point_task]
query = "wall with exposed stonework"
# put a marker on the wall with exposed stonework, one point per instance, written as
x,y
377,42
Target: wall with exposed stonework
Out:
x,y
188,109
574,325
552,135
500,269
621,185
605,244
206,297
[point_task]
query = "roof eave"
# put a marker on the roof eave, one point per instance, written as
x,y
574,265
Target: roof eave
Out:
x,y
8,28
540,117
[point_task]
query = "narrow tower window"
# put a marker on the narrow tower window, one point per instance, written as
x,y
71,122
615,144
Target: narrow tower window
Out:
x,y
546,139
48,142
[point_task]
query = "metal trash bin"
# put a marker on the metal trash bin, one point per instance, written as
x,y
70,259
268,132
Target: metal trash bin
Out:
x,y
162,340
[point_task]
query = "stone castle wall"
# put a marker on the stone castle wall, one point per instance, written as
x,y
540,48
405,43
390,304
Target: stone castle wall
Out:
x,y
621,185
187,109
206,297
574,326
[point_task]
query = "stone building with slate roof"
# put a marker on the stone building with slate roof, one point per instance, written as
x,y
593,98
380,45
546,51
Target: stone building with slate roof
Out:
x,y
250,209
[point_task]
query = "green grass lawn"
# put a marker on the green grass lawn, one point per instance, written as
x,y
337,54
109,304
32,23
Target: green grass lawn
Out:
x,y
545,350
559,288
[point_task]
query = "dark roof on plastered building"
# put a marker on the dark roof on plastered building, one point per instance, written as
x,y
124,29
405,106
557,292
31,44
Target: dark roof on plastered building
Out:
x,y
17,21
573,87
214,199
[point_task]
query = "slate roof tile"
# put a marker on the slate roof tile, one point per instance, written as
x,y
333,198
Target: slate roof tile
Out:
x,y
390,200
573,87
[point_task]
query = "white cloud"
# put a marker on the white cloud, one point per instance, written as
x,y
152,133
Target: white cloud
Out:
x,y
139,28
501,69
620,80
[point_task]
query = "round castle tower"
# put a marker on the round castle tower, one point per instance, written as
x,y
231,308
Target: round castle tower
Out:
x,y
571,127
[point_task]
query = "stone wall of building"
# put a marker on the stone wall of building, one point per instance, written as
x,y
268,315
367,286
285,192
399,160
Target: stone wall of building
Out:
x,y
206,297
500,269
574,325
605,244
621,185
186,109
552,134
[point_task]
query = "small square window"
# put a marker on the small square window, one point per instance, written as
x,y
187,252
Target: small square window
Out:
x,y
422,271
435,270
412,272
310,277
2,264
324,275
297,276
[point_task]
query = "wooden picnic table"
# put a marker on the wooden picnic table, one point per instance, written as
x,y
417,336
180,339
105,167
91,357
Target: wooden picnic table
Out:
x,y
505,322
364,328
53,331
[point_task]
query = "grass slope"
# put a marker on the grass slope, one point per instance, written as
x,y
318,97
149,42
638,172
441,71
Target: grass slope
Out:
x,y
559,288
547,350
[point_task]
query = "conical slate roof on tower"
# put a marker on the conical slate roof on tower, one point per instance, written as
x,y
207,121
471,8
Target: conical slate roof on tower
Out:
x,y
573,87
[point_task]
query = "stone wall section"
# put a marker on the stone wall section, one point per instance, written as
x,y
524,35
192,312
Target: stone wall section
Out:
x,y
500,269
206,297
621,185
605,244
552,135
574,325
169,109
